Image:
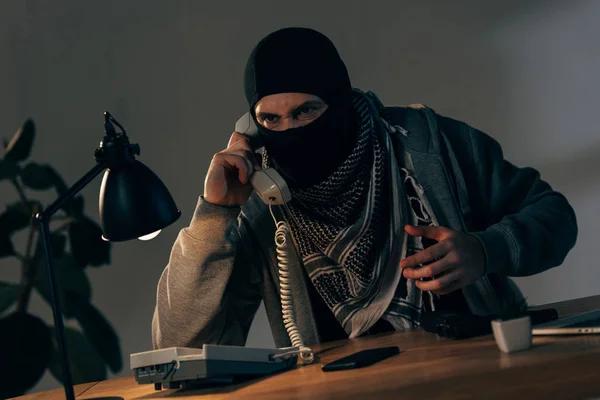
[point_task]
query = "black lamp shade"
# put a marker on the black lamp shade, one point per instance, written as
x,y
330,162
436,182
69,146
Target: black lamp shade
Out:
x,y
134,203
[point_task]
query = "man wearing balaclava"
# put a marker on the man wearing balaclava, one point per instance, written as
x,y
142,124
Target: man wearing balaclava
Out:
x,y
395,211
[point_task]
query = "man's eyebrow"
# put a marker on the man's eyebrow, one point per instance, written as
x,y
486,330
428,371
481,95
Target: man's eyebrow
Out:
x,y
264,115
309,103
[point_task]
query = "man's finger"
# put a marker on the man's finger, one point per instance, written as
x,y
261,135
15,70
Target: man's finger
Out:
x,y
244,144
438,233
236,137
450,288
241,144
247,155
238,162
441,283
429,254
428,271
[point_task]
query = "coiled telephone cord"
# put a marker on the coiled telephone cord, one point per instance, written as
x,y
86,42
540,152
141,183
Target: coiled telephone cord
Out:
x,y
287,306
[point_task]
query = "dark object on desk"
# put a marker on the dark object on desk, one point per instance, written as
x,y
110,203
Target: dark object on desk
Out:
x,y
465,325
542,316
362,359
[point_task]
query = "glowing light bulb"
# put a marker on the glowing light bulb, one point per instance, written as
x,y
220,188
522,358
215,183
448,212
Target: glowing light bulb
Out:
x,y
150,235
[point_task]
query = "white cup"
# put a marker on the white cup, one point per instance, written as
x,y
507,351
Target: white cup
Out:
x,y
513,335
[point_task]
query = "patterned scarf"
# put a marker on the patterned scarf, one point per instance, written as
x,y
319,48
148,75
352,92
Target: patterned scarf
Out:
x,y
348,229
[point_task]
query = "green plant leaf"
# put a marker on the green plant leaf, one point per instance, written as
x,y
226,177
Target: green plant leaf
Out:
x,y
57,181
59,242
87,245
72,278
20,145
85,362
38,176
43,176
8,169
6,246
16,217
97,329
74,207
25,346
9,292
69,278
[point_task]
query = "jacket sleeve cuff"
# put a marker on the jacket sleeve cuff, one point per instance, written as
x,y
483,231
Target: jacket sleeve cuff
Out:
x,y
499,249
211,219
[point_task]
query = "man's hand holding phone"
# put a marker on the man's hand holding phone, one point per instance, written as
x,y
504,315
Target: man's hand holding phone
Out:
x,y
227,182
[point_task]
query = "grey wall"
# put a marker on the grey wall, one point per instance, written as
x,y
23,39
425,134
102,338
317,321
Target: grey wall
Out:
x,y
171,72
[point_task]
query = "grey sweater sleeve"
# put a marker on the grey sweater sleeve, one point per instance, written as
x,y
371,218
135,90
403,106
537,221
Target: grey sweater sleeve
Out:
x,y
210,290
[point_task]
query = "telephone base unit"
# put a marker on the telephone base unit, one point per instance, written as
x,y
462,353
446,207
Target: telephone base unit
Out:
x,y
187,368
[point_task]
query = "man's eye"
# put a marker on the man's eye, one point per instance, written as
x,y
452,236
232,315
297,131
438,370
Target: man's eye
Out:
x,y
306,113
270,118
307,110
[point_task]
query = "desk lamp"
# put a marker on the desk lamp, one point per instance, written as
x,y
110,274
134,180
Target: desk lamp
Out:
x,y
134,203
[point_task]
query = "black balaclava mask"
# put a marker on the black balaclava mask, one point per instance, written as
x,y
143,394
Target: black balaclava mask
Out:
x,y
302,60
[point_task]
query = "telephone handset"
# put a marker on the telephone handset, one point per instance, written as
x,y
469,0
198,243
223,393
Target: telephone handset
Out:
x,y
267,183
273,190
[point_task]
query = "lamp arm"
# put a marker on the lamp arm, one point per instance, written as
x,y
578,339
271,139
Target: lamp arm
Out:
x,y
73,190
43,219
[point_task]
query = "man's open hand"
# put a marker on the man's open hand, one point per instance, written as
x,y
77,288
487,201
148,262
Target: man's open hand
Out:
x,y
458,260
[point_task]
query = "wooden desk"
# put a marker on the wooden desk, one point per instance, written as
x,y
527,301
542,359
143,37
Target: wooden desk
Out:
x,y
430,367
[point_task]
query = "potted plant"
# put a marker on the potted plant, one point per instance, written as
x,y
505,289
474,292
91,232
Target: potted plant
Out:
x,y
27,344
512,329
